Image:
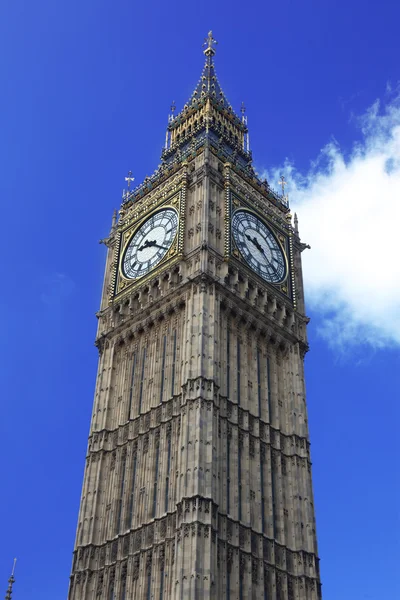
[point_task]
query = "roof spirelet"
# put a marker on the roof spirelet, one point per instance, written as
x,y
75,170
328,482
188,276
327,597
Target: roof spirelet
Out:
x,y
11,582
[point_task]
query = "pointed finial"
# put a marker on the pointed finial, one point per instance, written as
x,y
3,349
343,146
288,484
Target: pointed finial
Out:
x,y
170,118
11,582
114,219
296,223
243,110
282,183
129,179
210,43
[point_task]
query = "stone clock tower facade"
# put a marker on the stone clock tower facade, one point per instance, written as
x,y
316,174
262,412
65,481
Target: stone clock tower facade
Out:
x,y
198,473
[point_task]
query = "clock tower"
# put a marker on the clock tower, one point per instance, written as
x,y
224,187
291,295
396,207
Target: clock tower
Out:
x,y
198,473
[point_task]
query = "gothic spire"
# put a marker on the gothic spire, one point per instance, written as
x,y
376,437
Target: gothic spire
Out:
x,y
208,84
207,119
11,582
207,115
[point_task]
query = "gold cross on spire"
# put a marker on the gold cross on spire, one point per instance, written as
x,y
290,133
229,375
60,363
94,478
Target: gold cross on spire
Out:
x,y
282,183
210,43
129,179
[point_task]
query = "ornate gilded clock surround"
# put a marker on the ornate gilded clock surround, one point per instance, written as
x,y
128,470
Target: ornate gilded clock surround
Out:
x,y
175,200
283,234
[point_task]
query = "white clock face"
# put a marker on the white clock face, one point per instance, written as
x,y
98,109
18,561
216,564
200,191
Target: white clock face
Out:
x,y
150,243
259,246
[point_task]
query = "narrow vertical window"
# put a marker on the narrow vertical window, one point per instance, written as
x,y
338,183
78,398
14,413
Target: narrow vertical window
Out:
x,y
111,591
273,504
163,369
155,480
149,584
167,477
238,372
228,475
132,493
240,478
269,391
173,366
228,577
262,457
132,382
123,590
141,381
240,585
162,584
258,383
228,365
121,496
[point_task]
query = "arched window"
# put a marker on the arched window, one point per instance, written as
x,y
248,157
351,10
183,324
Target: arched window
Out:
x,y
123,590
111,591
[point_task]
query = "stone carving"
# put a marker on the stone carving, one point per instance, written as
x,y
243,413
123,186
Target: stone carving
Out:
x,y
149,559
135,568
254,570
99,586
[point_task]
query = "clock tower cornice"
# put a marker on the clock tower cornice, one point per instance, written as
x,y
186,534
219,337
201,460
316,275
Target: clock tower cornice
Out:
x,y
264,308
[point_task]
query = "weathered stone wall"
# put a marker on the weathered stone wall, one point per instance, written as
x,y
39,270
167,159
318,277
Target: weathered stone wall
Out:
x,y
198,472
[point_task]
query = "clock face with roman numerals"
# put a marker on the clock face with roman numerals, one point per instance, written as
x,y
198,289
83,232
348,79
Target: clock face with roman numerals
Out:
x,y
150,243
259,246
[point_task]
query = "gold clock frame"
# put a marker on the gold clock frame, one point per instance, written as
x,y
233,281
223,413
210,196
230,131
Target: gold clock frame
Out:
x,y
122,284
238,255
129,233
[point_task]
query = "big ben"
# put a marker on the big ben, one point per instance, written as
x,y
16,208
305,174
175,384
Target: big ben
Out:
x,y
198,474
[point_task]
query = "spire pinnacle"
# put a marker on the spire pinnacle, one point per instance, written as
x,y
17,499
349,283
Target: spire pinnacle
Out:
x,y
210,43
296,223
283,183
114,221
129,179
11,582
208,85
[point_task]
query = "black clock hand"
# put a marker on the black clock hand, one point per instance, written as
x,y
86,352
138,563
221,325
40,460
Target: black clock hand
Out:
x,y
152,244
255,242
250,238
147,244
258,245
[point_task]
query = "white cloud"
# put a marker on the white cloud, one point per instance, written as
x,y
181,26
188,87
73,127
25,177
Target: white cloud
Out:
x,y
349,212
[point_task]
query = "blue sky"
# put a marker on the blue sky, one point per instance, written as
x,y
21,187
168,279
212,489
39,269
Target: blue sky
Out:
x,y
85,95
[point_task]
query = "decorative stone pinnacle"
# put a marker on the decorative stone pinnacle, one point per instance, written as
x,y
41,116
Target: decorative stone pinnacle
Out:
x,y
210,43
129,179
11,582
283,183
